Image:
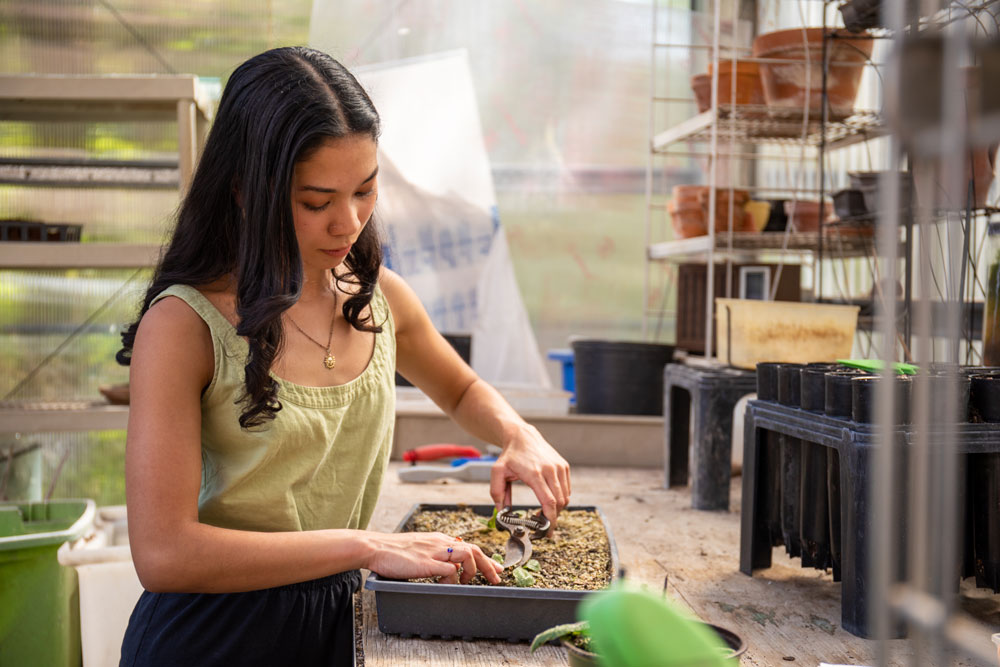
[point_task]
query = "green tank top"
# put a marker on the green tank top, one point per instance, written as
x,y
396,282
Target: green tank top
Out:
x,y
319,463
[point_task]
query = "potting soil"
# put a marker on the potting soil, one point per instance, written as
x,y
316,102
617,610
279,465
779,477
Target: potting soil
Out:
x,y
576,557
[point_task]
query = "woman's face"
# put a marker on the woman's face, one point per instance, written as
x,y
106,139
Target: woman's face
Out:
x,y
333,196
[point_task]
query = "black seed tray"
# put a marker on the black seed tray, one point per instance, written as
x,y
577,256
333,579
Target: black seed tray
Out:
x,y
806,484
456,611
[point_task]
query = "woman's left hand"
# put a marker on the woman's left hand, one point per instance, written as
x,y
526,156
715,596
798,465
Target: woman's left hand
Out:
x,y
528,457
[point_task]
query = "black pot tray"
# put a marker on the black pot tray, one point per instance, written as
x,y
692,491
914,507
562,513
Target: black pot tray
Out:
x,y
455,611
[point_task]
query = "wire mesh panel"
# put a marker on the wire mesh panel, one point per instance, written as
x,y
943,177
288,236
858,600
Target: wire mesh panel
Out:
x,y
932,60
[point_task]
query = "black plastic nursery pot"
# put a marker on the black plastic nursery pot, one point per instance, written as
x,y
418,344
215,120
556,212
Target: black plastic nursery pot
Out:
x,y
812,386
863,391
950,382
777,220
767,380
861,15
838,399
849,204
455,611
767,390
984,398
620,378
789,384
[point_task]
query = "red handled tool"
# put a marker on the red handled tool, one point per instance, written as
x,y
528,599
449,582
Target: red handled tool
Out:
x,y
435,452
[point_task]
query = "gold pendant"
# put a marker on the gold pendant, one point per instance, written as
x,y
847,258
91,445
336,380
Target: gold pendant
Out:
x,y
329,361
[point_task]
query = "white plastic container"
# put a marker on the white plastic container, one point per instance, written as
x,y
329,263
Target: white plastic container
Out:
x,y
750,331
109,586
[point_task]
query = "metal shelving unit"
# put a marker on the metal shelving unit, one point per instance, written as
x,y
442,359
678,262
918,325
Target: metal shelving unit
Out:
x,y
729,134
40,98
106,99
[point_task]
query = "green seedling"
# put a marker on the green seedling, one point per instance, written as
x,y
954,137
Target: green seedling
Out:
x,y
533,566
578,633
522,578
491,523
498,558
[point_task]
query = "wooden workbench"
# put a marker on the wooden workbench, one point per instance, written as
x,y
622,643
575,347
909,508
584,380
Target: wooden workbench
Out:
x,y
788,615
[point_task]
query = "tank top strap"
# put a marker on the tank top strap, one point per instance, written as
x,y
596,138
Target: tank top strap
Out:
x,y
221,328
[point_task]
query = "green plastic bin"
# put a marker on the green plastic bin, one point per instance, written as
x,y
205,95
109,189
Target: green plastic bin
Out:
x,y
39,599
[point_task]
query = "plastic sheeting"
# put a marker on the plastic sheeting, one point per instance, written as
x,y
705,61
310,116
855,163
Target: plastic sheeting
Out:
x,y
563,92
437,208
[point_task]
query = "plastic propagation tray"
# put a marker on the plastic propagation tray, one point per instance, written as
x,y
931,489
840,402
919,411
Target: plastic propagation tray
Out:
x,y
468,612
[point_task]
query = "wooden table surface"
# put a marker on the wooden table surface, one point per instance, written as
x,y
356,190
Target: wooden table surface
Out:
x,y
787,614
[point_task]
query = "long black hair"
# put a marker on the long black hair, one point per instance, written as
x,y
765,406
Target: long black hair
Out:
x,y
277,109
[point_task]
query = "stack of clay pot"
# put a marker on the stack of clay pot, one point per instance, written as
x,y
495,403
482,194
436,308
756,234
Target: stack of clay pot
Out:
x,y
804,215
689,210
748,85
785,85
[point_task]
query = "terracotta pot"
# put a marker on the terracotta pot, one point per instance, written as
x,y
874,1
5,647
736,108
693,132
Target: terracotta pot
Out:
x,y
749,89
722,196
749,223
806,215
785,85
701,84
740,197
117,394
687,219
856,230
688,193
689,211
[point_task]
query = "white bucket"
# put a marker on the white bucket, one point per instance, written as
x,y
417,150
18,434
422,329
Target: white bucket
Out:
x,y
109,586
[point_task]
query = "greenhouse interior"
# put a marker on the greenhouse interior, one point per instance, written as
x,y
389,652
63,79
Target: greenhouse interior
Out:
x,y
631,333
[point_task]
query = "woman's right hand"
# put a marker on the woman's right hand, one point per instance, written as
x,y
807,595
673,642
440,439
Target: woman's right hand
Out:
x,y
418,555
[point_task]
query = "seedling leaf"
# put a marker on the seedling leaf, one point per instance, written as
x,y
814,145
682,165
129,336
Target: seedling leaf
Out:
x,y
558,632
523,579
491,523
533,566
498,558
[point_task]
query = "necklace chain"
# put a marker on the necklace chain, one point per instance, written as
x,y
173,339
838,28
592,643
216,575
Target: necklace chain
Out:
x,y
329,360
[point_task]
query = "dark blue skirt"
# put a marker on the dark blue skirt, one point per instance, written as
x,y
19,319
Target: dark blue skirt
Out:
x,y
310,623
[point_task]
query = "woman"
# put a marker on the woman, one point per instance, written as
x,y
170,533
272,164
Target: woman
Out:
x,y
262,392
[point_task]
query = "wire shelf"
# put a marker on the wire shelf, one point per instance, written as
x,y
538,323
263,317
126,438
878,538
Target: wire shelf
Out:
x,y
760,124
838,243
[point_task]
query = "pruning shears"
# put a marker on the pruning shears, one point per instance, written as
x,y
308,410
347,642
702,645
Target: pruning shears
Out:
x,y
522,529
